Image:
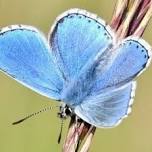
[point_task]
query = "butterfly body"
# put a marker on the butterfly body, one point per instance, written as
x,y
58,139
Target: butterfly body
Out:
x,y
81,65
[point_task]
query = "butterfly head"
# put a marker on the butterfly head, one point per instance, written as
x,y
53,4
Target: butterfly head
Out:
x,y
64,111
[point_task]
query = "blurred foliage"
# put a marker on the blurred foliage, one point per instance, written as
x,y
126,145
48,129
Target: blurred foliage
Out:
x,y
40,133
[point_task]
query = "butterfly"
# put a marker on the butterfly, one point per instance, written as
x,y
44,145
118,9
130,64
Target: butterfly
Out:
x,y
81,65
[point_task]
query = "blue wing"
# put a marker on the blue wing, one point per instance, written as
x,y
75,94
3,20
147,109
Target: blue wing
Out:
x,y
129,59
116,66
76,37
26,56
108,100
109,107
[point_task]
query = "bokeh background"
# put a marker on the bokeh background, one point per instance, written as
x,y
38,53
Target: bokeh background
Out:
x,y
40,134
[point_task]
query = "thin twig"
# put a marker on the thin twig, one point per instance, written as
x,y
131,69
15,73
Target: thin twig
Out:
x,y
89,139
74,132
119,14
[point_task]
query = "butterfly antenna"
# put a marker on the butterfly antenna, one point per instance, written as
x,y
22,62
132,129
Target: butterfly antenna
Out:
x,y
60,134
32,115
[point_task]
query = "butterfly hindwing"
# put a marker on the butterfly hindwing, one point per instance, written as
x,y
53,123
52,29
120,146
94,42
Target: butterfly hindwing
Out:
x,y
109,107
76,37
26,56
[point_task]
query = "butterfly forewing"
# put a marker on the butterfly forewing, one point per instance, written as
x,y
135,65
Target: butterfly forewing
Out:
x,y
26,56
77,37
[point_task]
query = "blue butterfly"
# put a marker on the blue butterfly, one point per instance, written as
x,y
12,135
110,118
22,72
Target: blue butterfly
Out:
x,y
82,65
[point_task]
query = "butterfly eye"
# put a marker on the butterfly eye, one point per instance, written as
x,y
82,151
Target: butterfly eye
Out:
x,y
68,111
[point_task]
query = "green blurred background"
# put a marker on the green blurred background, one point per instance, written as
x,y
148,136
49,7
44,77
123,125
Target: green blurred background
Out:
x,y
40,134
